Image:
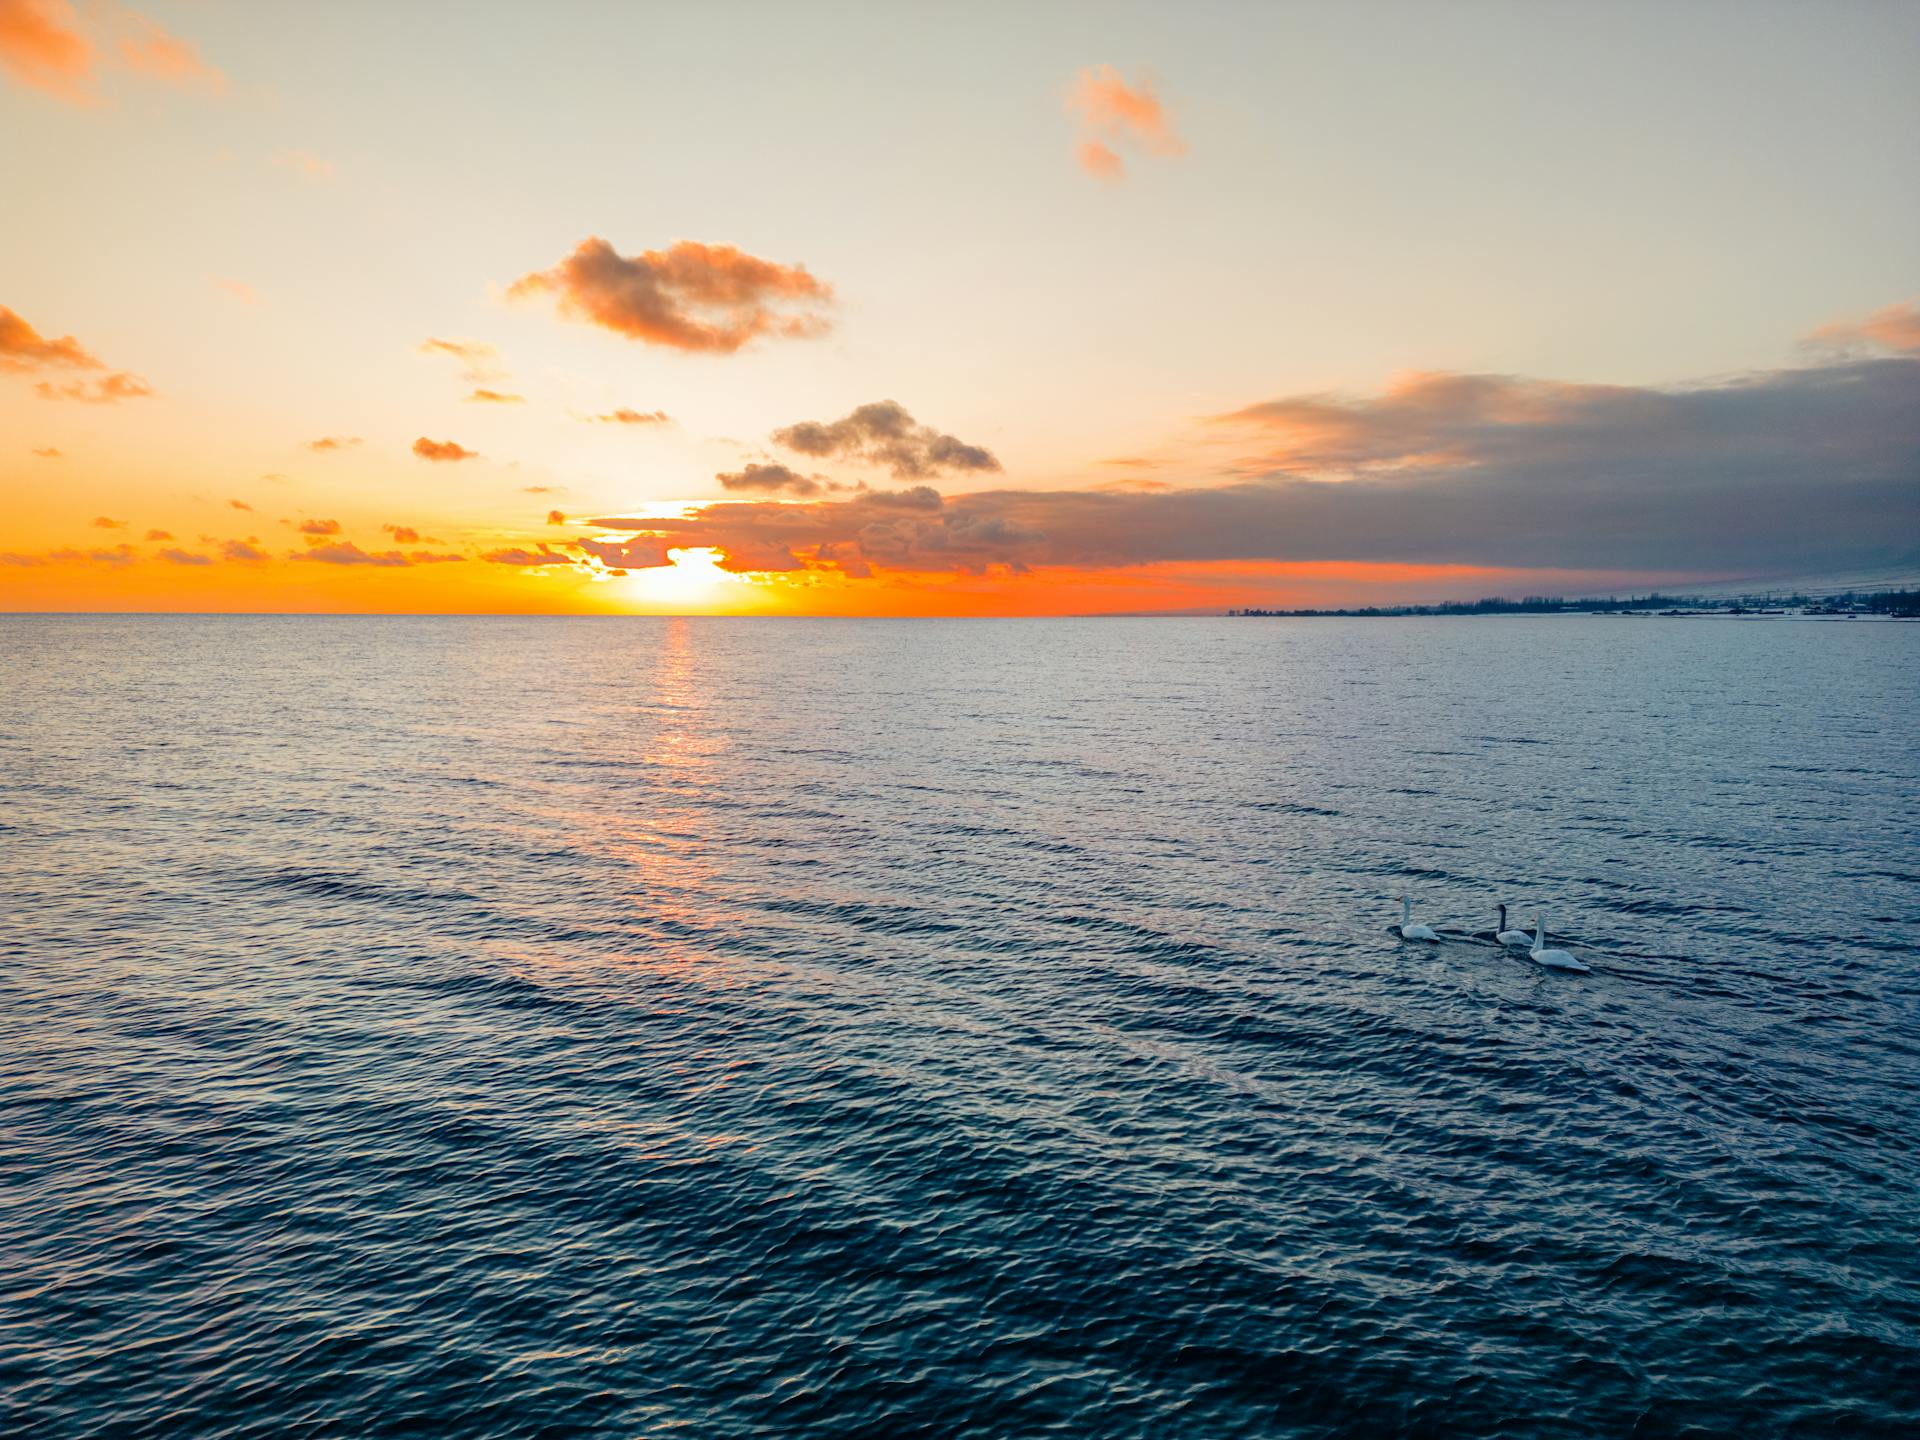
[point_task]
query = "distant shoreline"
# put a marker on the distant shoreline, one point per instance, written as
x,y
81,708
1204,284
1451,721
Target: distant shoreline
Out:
x,y
1879,604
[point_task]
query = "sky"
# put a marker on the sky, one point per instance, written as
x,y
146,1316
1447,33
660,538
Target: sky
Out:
x,y
885,309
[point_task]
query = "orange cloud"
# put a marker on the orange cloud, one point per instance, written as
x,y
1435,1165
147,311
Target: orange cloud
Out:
x,y
332,442
495,397
517,556
554,517
159,535
404,534
442,450
345,552
152,51
47,452
119,555
479,360
107,390
241,550
694,297
624,416
41,46
319,527
1099,161
1112,113
102,522
182,557
239,505
1894,327
22,348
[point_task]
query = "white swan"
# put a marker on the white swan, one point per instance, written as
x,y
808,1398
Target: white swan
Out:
x,y
1553,959
1410,931
1512,939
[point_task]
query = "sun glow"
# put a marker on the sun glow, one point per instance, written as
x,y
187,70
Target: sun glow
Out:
x,y
694,581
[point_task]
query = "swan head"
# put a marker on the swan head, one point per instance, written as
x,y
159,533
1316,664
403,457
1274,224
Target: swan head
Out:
x,y
1503,917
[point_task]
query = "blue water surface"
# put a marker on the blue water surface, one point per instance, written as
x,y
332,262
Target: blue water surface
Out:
x,y
733,1028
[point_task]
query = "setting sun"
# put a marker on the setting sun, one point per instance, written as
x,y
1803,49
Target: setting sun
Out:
x,y
693,581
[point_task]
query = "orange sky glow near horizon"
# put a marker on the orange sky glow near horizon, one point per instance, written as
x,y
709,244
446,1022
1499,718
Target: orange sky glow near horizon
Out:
x,y
295,345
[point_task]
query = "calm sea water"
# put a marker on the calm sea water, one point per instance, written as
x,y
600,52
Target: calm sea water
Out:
x,y
735,1028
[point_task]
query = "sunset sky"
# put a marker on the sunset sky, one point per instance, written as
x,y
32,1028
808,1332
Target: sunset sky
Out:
x,y
981,309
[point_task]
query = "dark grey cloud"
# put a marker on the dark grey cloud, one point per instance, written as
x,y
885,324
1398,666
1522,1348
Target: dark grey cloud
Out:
x,y
769,479
883,433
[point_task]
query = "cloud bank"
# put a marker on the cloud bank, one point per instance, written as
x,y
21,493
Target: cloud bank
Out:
x,y
1804,471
